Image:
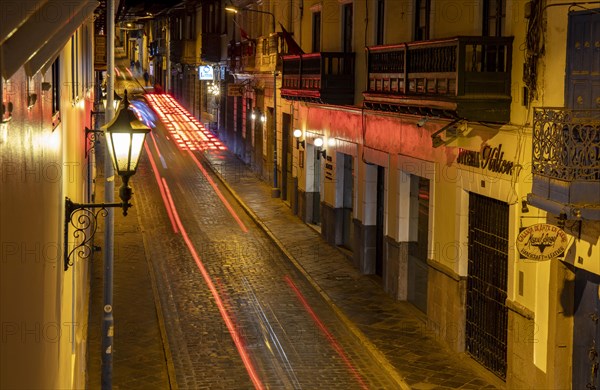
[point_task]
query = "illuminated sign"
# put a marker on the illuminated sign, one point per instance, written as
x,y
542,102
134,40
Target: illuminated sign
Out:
x,y
489,158
205,72
542,242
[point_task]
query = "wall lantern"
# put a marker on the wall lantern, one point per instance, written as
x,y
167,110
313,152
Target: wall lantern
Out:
x,y
318,143
297,135
125,136
116,102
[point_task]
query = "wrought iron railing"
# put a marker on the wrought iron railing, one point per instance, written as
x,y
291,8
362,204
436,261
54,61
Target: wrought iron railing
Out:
x,y
566,144
451,67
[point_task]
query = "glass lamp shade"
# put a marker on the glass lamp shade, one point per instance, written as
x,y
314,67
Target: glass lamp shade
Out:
x,y
297,133
318,142
116,101
125,136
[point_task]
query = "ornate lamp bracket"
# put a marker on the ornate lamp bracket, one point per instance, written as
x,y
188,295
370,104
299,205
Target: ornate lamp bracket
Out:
x,y
83,217
92,140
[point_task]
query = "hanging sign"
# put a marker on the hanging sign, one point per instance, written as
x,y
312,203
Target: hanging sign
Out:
x,y
542,242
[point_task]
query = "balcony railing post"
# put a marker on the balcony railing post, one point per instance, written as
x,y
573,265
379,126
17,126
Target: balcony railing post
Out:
x,y
460,66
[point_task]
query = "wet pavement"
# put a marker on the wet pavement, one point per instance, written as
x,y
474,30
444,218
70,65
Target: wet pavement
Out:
x,y
247,295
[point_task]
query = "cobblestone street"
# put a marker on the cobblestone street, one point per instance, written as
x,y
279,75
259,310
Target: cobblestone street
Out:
x,y
290,336
248,296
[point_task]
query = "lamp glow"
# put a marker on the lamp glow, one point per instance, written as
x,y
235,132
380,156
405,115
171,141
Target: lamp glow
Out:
x,y
116,101
125,136
297,133
318,142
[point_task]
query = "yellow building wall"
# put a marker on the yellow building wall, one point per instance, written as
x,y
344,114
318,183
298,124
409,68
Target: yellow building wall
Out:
x,y
43,308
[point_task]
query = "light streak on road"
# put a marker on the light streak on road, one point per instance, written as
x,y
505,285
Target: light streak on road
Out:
x,y
269,334
219,193
144,113
187,131
162,159
162,190
189,134
237,339
117,71
129,71
334,343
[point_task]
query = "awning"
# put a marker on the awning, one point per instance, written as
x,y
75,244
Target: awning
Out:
x,y
14,13
48,53
45,32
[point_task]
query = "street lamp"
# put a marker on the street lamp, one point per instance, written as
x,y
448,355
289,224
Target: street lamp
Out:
x,y
235,10
125,136
275,192
116,101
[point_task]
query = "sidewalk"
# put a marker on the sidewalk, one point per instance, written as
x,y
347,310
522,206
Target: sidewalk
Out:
x,y
140,359
393,332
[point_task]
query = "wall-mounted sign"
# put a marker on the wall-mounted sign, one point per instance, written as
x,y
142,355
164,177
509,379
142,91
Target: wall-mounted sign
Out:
x,y
542,242
235,90
99,52
205,72
489,158
329,168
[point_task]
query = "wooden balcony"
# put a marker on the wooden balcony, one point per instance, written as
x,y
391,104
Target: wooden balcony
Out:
x,y
260,55
461,77
566,162
188,55
319,77
241,56
213,47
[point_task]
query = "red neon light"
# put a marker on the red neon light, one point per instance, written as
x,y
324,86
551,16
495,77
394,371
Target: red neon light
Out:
x,y
334,343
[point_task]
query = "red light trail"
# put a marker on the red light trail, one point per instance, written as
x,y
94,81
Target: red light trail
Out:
x,y
237,339
334,343
161,187
187,131
189,134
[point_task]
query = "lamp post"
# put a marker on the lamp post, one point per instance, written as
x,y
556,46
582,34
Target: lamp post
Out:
x,y
125,136
275,192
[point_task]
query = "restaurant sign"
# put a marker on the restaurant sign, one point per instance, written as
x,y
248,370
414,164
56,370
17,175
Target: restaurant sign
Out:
x,y
542,242
488,158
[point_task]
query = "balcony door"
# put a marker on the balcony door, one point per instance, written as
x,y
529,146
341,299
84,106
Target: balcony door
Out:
x,y
316,32
422,20
583,61
347,15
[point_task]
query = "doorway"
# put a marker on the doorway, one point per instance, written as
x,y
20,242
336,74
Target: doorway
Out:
x,y
487,314
287,181
379,221
348,200
418,269
583,61
586,335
